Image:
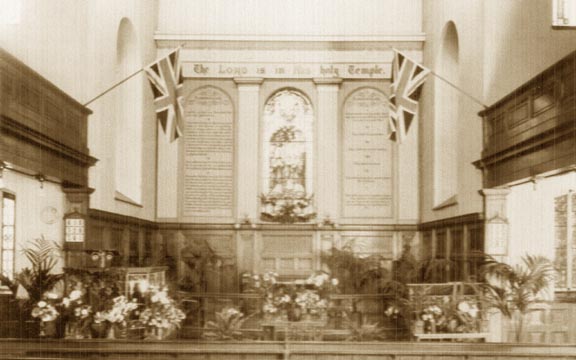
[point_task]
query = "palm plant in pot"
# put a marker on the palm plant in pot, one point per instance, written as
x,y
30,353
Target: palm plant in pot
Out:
x,y
38,279
514,289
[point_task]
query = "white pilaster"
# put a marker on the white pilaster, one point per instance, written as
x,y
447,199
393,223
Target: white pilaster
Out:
x,y
327,165
248,140
496,229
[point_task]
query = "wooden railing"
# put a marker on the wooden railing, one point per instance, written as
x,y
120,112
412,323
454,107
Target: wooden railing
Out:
x,y
233,350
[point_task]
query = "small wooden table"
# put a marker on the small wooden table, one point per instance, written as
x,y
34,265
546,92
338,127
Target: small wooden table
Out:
x,y
451,336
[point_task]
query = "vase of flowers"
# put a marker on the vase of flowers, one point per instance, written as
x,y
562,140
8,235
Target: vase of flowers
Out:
x,y
161,317
100,327
310,303
117,317
76,314
432,317
47,314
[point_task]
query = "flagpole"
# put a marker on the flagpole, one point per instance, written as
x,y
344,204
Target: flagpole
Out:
x,y
446,81
114,86
459,89
126,79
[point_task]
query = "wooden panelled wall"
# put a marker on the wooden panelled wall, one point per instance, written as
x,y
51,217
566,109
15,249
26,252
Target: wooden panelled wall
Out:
x,y
457,241
533,129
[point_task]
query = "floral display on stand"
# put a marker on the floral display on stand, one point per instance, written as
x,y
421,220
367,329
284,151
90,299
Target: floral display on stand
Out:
x,y
292,301
452,317
161,316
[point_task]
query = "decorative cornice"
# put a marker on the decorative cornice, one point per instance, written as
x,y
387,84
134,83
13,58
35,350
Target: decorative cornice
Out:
x,y
293,42
101,215
473,218
327,81
535,143
409,37
17,129
248,80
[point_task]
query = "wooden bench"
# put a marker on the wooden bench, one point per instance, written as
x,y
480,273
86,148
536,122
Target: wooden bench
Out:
x,y
451,336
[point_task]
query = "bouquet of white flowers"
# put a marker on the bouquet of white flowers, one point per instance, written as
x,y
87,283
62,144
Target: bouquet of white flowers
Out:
x,y
161,313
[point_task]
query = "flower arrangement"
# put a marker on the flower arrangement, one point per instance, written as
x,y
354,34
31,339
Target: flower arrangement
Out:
x,y
464,319
452,317
77,314
287,208
161,316
433,318
227,326
323,283
260,283
119,313
309,301
392,312
45,311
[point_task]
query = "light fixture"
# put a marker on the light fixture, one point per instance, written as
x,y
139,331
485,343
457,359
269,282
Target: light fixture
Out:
x,y
102,257
41,178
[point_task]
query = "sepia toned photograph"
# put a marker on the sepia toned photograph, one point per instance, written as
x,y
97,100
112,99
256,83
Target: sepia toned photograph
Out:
x,y
288,179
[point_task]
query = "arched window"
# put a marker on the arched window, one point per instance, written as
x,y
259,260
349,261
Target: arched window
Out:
x,y
446,120
287,158
128,145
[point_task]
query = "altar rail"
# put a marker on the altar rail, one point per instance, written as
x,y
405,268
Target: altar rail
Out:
x,y
188,350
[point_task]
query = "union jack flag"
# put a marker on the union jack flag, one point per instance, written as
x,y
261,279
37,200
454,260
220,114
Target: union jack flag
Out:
x,y
166,79
407,80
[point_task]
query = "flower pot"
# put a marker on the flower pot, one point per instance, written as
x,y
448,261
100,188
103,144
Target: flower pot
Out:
x,y
48,329
294,314
418,327
99,330
163,333
116,331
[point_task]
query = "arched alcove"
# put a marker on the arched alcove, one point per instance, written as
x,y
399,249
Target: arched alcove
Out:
x,y
128,121
446,118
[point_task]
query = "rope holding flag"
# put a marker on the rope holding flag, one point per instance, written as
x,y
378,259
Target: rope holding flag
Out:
x,y
408,78
166,80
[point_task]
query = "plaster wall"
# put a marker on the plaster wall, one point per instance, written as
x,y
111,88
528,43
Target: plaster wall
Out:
x,y
296,17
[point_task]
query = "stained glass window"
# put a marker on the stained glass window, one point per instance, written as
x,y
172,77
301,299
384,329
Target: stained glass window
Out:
x,y
8,240
287,158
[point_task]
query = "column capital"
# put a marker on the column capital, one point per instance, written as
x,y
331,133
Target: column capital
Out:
x,y
248,80
327,81
497,192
